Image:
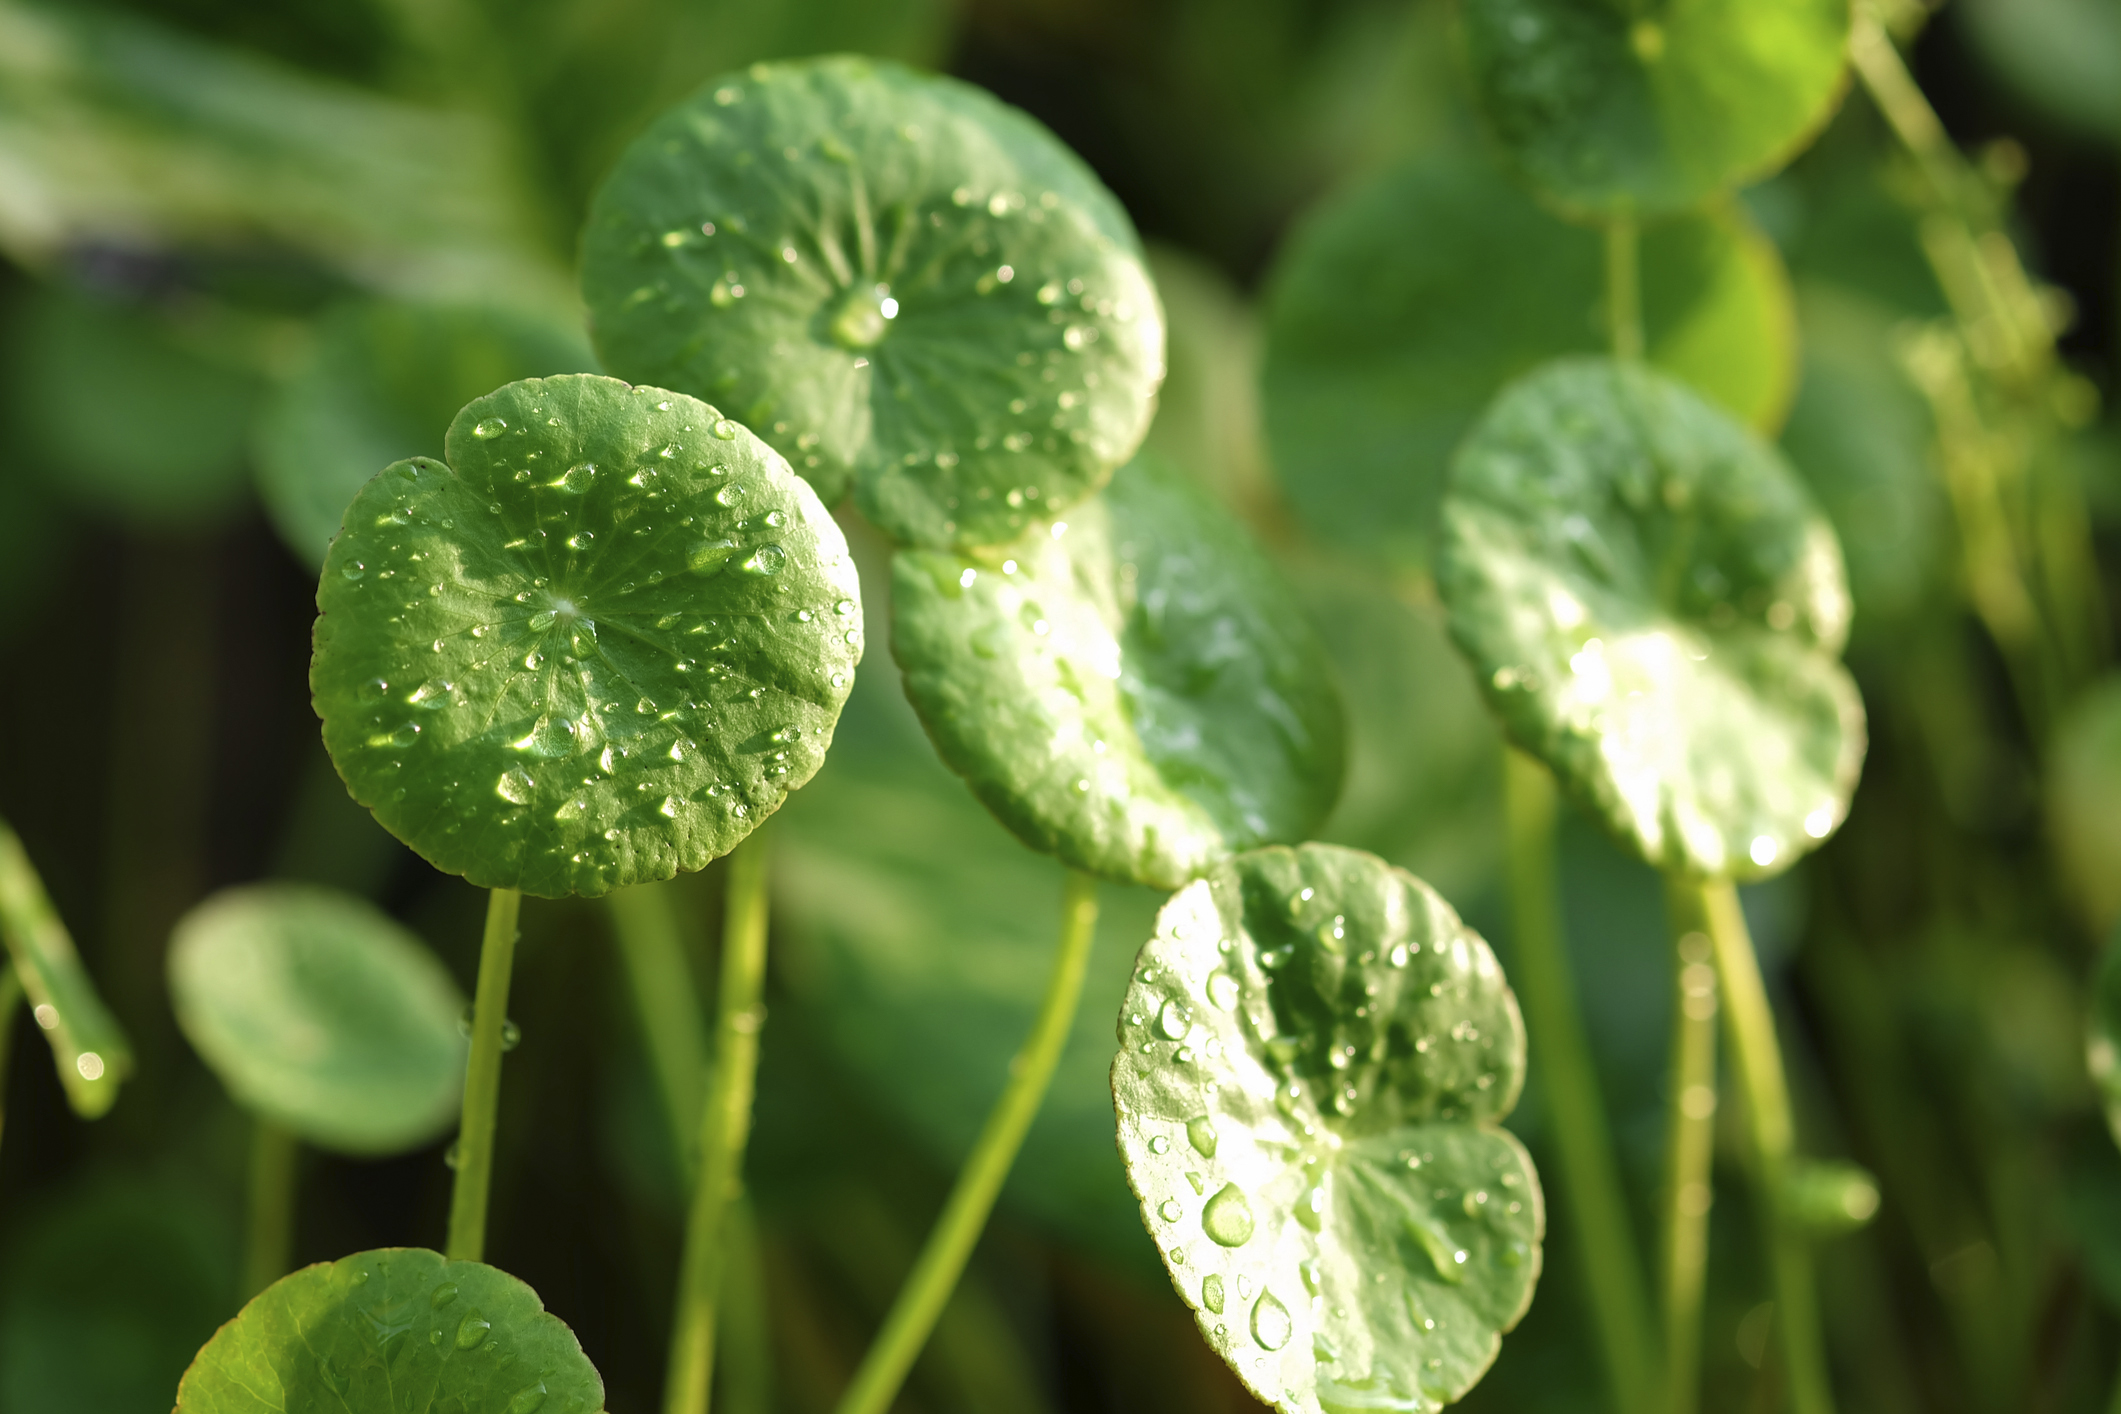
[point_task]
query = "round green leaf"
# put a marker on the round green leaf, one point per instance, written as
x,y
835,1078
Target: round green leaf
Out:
x,y
1132,689
598,647
892,276
400,1330
128,412
1315,1056
1651,108
383,384
322,1014
2103,1049
1381,352
1655,607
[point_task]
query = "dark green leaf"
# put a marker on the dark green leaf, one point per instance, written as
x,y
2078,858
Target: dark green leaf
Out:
x,y
320,1013
895,278
90,1051
1651,108
397,1331
1132,689
126,412
1314,1060
383,384
1381,352
598,647
1655,608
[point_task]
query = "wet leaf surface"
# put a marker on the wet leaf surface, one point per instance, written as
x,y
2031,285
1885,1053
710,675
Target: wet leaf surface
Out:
x,y
598,647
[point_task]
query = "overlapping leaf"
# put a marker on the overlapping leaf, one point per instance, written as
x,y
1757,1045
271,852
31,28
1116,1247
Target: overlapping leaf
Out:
x,y
893,278
396,1331
1132,688
321,1014
1641,109
598,647
1381,351
383,383
1655,607
1314,1059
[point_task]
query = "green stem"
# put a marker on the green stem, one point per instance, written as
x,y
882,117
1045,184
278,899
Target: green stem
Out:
x,y
1589,1175
482,1079
1623,288
935,1272
10,1007
664,993
1756,1057
1690,1134
273,1152
725,1128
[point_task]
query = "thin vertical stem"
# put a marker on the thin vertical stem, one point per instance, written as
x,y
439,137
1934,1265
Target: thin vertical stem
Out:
x,y
1690,1133
10,1008
1623,287
725,1129
1756,1058
1590,1178
935,1272
482,1079
270,1241
667,999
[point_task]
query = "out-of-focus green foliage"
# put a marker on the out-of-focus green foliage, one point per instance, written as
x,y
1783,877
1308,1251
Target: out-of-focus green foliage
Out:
x,y
598,647
1315,1058
2062,55
88,1048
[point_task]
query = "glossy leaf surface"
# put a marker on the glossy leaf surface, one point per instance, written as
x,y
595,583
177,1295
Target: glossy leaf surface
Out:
x,y
383,384
89,1050
320,1013
1132,689
1652,108
1315,1057
893,278
400,1330
1381,353
2103,1050
1655,607
598,647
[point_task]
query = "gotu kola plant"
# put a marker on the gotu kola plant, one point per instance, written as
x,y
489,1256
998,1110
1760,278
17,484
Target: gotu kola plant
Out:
x,y
600,644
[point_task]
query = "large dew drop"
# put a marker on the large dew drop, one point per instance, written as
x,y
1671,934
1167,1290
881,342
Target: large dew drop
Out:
x,y
1227,1217
1271,1325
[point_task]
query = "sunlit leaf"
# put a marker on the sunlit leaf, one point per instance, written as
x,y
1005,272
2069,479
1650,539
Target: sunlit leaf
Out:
x,y
1652,108
320,1013
893,278
124,414
1381,351
1132,689
383,384
89,1050
1314,1060
598,647
119,131
397,1331
1655,607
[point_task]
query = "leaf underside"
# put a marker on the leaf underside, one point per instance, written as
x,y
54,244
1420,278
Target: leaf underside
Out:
x,y
1315,1056
895,279
400,1330
1654,607
318,1011
1132,689
1631,109
598,647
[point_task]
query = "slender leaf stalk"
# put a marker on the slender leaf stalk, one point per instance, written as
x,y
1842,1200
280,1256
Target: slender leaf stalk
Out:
x,y
747,1367
482,1079
725,1129
10,1008
270,1242
664,993
1756,1060
1623,287
1590,1177
1690,1134
935,1272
